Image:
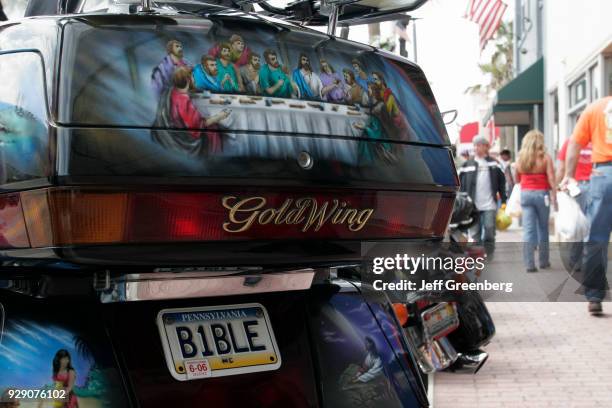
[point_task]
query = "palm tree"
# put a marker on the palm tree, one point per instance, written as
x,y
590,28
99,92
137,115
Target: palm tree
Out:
x,y
499,68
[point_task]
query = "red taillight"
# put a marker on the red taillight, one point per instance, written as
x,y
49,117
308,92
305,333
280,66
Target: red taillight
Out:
x,y
13,232
422,304
64,216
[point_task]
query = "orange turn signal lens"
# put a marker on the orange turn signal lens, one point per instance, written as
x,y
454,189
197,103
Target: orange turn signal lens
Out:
x,y
401,312
60,217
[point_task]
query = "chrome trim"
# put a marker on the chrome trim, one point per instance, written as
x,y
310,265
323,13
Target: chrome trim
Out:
x,y
436,355
146,6
333,19
161,286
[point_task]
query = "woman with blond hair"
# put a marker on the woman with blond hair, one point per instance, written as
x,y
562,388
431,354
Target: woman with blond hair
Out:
x,y
537,177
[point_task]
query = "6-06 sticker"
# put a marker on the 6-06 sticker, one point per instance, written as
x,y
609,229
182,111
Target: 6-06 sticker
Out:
x,y
197,369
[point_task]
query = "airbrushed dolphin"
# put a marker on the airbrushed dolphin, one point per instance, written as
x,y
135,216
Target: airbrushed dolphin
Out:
x,y
23,145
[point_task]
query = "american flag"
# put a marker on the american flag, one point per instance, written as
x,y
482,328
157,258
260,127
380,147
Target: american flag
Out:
x,y
487,14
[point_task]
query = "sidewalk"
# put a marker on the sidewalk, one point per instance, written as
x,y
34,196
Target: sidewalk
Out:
x,y
543,355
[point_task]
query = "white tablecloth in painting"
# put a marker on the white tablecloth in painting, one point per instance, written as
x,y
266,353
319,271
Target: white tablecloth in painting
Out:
x,y
315,121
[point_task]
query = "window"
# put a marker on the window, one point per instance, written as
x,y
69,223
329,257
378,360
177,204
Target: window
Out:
x,y
578,92
23,117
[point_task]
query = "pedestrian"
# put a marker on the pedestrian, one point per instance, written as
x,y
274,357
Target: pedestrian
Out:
x,y
535,172
594,126
505,160
582,177
483,179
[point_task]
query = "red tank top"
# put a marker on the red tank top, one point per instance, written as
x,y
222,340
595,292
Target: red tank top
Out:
x,y
534,181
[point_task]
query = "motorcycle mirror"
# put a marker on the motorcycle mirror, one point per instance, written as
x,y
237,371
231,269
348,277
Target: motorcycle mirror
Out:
x,y
449,116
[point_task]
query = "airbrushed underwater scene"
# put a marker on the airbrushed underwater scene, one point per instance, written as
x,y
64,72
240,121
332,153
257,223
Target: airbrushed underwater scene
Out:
x,y
23,115
55,353
241,91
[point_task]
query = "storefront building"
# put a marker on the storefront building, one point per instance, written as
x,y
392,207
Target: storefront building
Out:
x,y
578,55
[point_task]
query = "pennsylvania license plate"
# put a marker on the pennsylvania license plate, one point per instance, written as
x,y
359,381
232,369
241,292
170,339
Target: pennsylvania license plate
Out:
x,y
215,341
440,320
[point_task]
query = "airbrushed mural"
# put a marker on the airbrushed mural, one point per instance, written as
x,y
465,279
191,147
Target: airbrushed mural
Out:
x,y
351,104
362,369
23,145
238,93
24,152
47,356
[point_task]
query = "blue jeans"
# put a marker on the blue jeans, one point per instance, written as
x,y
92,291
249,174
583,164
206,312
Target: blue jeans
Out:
x,y
535,206
600,219
483,232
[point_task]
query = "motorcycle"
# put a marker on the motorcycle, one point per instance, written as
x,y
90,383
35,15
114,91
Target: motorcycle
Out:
x,y
448,328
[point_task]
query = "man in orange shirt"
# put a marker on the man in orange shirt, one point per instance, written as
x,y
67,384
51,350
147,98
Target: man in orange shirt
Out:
x,y
595,126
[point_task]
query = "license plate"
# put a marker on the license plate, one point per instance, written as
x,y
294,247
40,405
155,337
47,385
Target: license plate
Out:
x,y
440,320
215,341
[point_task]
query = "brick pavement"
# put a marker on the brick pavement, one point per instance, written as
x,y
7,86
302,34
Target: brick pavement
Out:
x,y
544,354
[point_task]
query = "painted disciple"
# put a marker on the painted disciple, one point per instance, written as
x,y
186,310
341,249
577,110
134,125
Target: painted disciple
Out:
x,y
178,111
161,77
333,88
353,92
64,377
397,116
239,52
249,74
227,74
374,130
205,75
361,77
273,79
308,82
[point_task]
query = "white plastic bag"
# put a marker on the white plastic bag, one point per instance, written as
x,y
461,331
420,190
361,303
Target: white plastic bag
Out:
x,y
571,224
513,206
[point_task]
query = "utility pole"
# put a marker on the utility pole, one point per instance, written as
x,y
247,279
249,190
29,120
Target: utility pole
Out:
x,y
373,32
414,40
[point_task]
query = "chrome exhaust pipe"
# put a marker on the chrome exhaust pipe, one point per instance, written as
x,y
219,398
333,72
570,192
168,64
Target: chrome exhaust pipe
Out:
x,y
470,361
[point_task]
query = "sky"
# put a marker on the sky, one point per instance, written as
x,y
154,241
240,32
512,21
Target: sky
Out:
x,y
448,52
27,351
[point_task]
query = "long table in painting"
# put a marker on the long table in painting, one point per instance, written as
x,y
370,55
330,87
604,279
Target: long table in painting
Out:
x,y
282,128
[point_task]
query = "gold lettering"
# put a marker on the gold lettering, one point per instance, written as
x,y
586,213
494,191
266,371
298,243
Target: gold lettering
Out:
x,y
281,211
302,204
336,218
362,220
236,208
243,213
319,215
266,216
350,215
